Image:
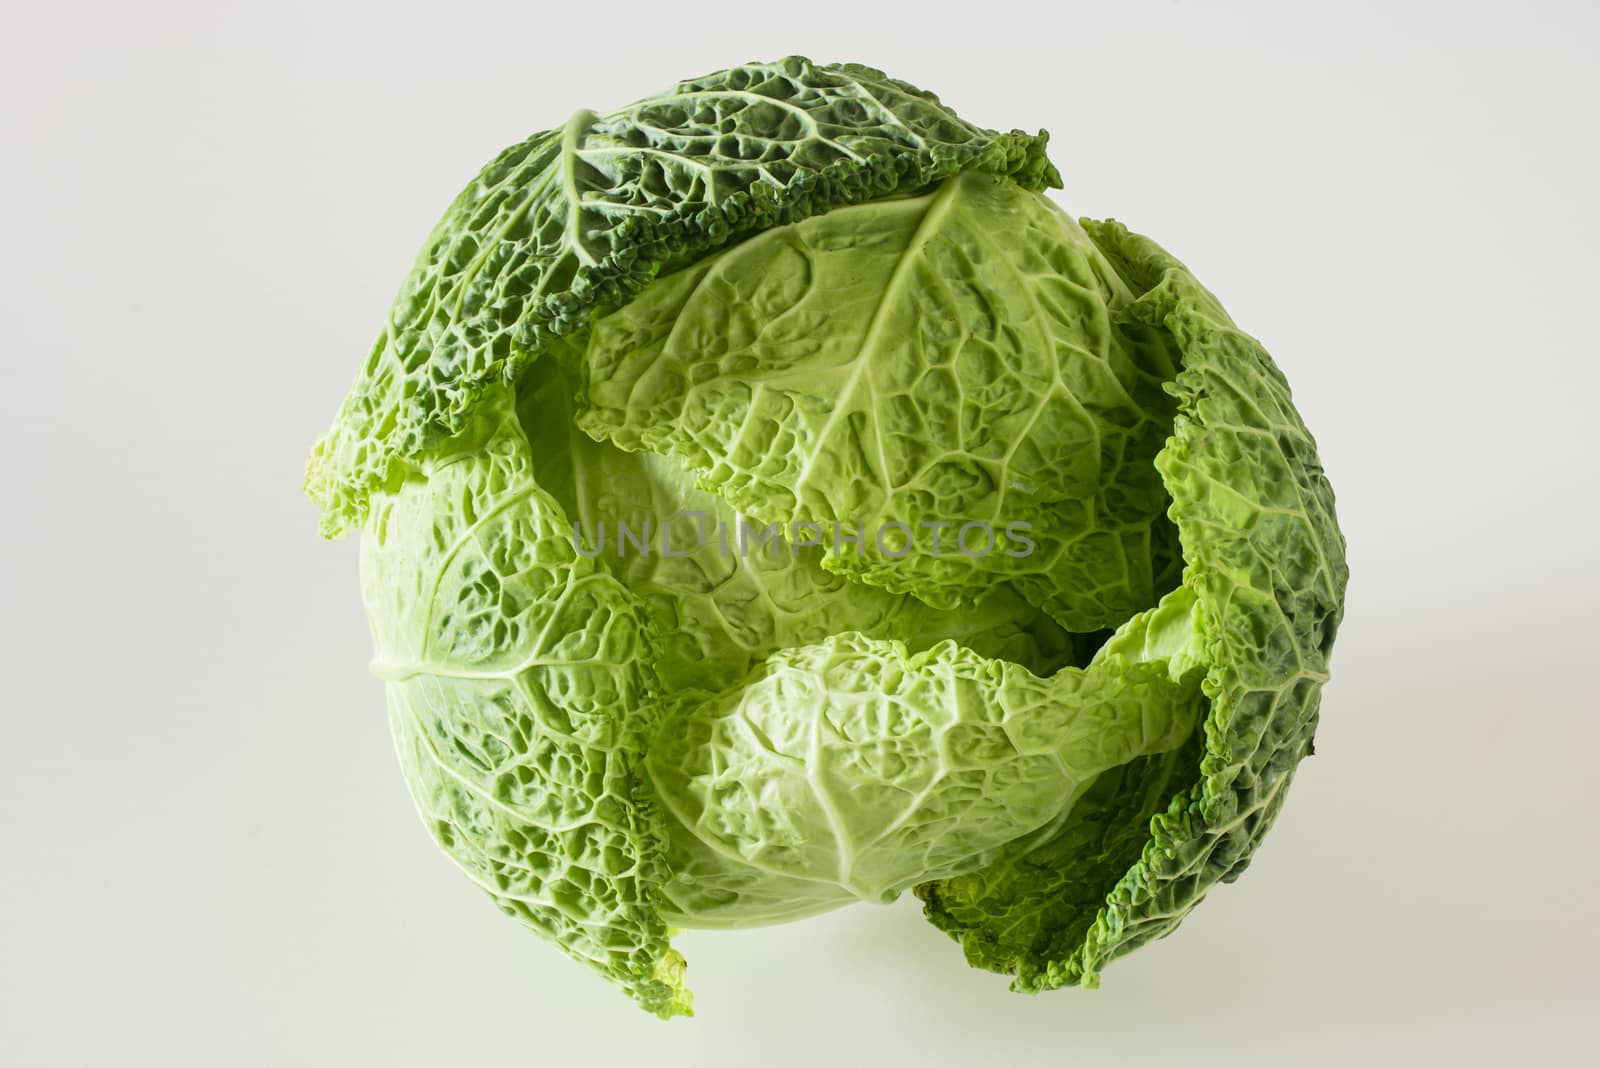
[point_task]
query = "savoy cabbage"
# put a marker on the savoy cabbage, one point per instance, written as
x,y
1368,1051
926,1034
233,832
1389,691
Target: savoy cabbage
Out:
x,y
774,333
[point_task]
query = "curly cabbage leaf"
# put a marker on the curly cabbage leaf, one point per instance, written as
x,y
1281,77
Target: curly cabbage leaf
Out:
x,y
585,216
811,304
517,684
952,354
1266,566
851,770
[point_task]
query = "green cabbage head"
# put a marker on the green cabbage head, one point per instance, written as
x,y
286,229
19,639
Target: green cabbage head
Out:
x,y
769,500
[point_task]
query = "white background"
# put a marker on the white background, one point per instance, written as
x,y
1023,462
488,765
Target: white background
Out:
x,y
208,853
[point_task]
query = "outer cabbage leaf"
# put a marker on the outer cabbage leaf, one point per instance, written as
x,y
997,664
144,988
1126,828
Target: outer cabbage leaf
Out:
x,y
583,217
516,673
851,770
952,357
1266,571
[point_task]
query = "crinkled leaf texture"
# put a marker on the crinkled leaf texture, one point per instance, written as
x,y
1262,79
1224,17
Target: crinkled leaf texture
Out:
x,y
718,613
1266,566
851,770
585,216
865,313
950,357
516,672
